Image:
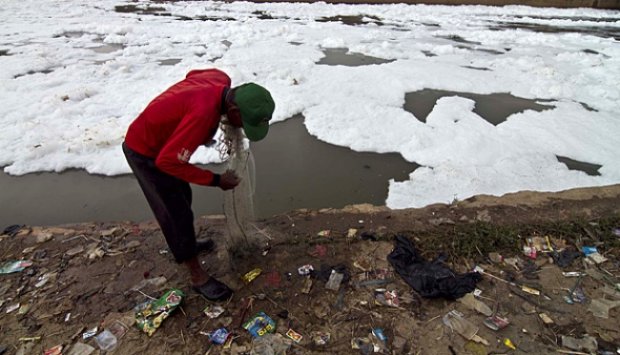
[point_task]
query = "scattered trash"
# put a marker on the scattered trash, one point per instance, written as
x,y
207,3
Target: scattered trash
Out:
x,y
324,233
251,275
566,257
596,258
213,311
37,338
588,250
335,279
514,262
319,251
95,253
509,344
601,307
378,340
42,280
307,285
75,251
497,258
351,233
270,344
106,341
56,350
576,294
43,237
10,267
293,335
13,229
496,322
260,325
150,314
320,338
592,255
545,318
472,303
90,333
327,272
12,308
23,309
430,279
529,251
219,336
118,328
28,250
67,317
530,290
386,298
616,232
305,269
363,344
573,274
586,343
455,321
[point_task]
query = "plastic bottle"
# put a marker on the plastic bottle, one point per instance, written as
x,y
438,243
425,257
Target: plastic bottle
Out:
x,y
334,281
106,341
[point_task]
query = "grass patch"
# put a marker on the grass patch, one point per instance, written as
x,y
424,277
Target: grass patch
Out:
x,y
478,239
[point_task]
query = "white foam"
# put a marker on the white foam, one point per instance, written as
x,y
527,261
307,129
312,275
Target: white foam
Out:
x,y
66,105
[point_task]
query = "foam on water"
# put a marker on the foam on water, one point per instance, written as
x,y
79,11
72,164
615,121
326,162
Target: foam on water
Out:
x,y
74,75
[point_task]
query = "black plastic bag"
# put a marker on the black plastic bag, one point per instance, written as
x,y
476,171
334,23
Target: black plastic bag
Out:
x,y
430,279
566,257
326,271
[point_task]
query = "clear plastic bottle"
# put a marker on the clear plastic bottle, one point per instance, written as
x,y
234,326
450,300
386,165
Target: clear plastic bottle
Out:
x,y
106,340
334,281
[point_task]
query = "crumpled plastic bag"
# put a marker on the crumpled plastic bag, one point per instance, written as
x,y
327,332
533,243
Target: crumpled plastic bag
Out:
x,y
430,279
150,314
566,257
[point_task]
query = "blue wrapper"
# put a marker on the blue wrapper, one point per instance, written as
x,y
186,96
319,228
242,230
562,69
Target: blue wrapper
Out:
x,y
260,325
589,250
378,332
219,336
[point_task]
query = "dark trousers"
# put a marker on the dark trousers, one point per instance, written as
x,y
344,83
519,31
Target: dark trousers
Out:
x,y
170,199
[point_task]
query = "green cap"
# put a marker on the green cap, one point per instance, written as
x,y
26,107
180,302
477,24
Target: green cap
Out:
x,y
256,107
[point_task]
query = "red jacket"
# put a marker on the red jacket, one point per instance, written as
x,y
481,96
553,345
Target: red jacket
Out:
x,y
178,121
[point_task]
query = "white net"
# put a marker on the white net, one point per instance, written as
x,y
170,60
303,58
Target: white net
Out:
x,y
238,202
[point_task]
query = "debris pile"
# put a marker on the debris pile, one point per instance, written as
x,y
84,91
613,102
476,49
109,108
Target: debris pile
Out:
x,y
96,288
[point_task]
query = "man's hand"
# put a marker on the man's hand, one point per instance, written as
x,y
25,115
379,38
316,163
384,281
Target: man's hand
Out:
x,y
229,180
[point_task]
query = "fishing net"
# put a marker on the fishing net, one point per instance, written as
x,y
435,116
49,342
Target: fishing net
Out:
x,y
239,202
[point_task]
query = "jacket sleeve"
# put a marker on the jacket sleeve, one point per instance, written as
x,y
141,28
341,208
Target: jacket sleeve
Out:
x,y
174,156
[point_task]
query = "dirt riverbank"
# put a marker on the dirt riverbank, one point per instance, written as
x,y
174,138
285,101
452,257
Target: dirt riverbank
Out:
x,y
87,275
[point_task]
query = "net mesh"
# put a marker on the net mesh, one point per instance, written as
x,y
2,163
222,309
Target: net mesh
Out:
x,y
239,202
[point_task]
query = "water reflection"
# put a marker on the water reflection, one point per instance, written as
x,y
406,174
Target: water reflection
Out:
x,y
588,168
494,108
342,56
356,20
296,170
293,170
171,61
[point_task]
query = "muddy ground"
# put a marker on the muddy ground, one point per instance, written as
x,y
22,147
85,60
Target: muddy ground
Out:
x,y
88,275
